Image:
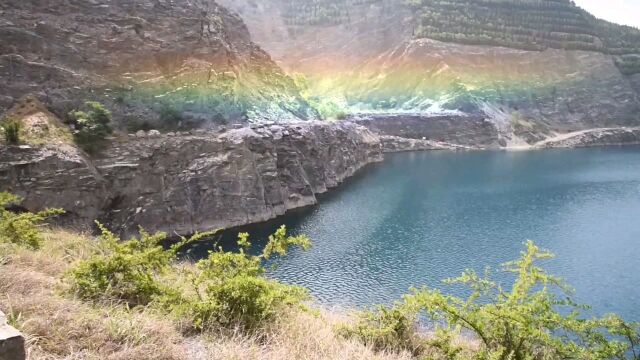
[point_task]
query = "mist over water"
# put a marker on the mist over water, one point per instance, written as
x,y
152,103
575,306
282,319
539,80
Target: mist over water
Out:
x,y
419,218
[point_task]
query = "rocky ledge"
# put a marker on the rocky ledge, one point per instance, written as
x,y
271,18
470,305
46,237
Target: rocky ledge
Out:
x,y
193,181
593,137
391,144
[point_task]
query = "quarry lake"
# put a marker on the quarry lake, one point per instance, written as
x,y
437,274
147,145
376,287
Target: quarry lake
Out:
x,y
418,218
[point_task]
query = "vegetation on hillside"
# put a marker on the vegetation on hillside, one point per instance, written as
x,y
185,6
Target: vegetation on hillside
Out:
x,y
321,12
534,319
92,125
29,122
522,24
134,299
21,228
223,290
11,129
529,25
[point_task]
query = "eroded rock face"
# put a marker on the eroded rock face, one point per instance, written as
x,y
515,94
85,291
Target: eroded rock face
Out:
x,y
374,64
522,92
53,176
140,58
196,181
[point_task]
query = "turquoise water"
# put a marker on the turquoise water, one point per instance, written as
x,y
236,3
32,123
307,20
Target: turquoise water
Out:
x,y
418,218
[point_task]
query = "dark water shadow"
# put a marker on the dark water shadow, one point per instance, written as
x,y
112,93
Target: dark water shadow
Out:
x,y
259,232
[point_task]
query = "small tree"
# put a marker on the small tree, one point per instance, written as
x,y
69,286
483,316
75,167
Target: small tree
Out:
x,y
11,129
226,289
126,271
170,116
230,289
525,322
22,228
92,126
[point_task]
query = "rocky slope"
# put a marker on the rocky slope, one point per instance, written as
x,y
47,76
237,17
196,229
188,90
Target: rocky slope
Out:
x,y
190,181
369,57
528,95
150,61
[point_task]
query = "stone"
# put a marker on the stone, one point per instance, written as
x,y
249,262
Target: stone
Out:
x,y
141,134
154,133
12,345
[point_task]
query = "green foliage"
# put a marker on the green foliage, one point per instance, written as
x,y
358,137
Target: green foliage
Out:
x,y
230,289
527,321
387,329
226,289
92,126
11,129
170,116
22,228
126,271
326,108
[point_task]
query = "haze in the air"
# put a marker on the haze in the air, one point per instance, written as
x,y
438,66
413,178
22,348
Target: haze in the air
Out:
x,y
617,11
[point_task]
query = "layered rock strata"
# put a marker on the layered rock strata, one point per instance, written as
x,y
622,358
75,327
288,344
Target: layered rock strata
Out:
x,y
472,130
192,181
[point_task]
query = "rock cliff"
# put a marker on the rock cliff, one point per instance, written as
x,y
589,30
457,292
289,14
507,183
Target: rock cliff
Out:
x,y
191,181
153,62
528,95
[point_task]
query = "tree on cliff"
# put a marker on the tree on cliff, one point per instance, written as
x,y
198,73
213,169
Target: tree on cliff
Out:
x,y
92,126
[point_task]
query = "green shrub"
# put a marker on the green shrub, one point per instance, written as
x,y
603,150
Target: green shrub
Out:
x,y
387,329
526,322
126,271
226,289
342,115
11,129
92,126
170,116
22,228
230,290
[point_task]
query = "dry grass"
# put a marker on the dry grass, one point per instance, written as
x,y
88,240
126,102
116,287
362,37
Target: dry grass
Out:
x,y
298,335
60,327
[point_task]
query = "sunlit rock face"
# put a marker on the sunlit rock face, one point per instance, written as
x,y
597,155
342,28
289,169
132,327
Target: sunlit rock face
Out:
x,y
525,93
145,59
367,57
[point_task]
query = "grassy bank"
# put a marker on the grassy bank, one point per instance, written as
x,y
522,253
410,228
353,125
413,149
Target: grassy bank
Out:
x,y
60,326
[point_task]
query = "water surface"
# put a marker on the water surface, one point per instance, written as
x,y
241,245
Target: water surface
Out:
x,y
418,218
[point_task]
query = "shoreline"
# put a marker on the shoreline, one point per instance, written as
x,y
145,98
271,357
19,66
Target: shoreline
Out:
x,y
202,180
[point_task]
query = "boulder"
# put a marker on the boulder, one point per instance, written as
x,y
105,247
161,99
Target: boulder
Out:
x,y
12,345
